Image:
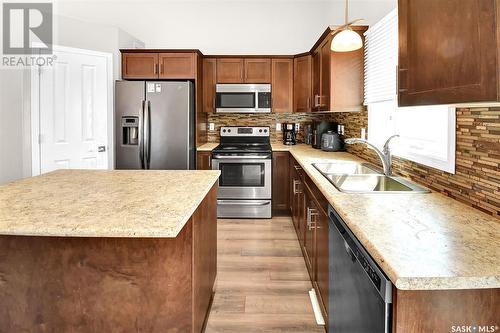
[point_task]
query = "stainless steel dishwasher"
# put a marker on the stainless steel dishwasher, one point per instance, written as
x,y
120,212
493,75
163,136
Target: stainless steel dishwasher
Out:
x,y
360,298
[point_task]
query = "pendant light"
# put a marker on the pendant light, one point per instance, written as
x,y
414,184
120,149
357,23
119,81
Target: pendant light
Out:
x,y
347,40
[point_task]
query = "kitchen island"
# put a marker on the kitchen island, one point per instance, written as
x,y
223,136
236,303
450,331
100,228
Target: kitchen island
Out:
x,y
108,251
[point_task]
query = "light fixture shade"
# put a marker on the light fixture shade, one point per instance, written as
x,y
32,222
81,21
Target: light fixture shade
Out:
x,y
346,40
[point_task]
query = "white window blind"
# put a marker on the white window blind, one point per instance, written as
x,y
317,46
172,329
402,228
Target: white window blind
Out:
x,y
427,133
381,52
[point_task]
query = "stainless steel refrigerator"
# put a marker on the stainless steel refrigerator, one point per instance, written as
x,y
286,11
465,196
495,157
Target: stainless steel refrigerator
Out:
x,y
155,125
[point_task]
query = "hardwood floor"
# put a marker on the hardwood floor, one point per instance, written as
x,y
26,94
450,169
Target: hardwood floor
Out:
x,y
262,280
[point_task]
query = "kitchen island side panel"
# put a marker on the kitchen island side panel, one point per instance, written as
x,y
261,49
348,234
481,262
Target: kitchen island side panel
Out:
x,y
53,284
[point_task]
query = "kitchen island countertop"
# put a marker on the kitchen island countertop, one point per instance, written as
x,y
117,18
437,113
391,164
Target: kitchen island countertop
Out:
x,y
98,203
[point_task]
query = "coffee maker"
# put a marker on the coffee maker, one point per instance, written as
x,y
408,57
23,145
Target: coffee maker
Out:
x,y
289,134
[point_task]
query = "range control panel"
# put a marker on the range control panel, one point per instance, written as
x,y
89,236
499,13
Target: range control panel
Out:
x,y
244,131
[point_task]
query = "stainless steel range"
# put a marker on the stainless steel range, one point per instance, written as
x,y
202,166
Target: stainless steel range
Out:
x,y
244,159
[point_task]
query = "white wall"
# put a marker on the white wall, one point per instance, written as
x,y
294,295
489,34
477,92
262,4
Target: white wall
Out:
x,y
226,26
15,122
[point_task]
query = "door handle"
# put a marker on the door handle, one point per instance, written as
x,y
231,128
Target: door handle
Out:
x,y
147,135
141,135
101,149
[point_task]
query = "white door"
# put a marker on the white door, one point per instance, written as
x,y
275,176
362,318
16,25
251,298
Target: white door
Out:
x,y
73,111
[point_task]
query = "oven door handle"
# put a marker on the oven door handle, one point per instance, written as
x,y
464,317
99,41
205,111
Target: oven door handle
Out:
x,y
242,157
243,203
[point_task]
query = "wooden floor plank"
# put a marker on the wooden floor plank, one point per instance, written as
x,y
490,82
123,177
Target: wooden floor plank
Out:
x,y
262,281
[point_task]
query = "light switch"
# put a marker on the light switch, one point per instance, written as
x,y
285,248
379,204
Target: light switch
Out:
x,y
278,127
211,126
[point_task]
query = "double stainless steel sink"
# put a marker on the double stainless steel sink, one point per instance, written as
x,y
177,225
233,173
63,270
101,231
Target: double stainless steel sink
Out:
x,y
352,177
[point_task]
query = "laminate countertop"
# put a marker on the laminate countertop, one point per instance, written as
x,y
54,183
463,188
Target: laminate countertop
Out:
x,y
98,203
421,241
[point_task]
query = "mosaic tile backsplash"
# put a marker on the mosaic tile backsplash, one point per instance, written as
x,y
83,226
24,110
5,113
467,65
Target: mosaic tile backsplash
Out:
x,y
476,181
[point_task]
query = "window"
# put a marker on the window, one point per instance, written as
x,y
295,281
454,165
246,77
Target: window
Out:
x,y
427,133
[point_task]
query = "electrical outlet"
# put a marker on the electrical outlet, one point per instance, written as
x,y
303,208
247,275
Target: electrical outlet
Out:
x,y
363,133
278,127
297,127
211,126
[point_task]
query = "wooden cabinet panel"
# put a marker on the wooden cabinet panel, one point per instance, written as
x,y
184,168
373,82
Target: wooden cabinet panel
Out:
x,y
204,160
282,85
302,84
311,213
209,81
324,93
257,70
177,65
230,70
322,264
281,176
316,80
139,65
448,53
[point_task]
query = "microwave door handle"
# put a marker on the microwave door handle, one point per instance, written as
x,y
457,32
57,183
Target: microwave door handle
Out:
x,y
256,100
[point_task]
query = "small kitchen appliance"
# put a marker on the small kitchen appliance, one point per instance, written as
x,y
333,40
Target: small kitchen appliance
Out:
x,y
318,129
244,158
242,98
289,134
331,141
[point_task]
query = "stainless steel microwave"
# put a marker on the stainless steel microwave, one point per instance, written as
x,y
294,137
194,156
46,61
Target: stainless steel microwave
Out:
x,y
243,98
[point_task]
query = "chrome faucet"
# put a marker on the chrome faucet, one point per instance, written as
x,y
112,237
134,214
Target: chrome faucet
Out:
x,y
385,154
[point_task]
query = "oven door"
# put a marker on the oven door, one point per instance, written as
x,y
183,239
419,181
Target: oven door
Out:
x,y
243,178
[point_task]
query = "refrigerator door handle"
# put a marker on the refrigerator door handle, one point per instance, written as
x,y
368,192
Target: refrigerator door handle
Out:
x,y
147,135
141,135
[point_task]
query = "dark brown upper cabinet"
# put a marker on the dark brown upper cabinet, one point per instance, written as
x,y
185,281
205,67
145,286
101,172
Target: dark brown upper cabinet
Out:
x,y
177,65
209,81
338,77
158,65
448,52
257,70
230,70
282,85
139,65
302,83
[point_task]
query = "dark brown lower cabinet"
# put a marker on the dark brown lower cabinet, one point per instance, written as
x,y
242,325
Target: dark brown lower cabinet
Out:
x,y
281,176
322,264
311,214
204,160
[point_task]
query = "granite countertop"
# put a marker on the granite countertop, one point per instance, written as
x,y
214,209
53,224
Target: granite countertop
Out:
x,y
421,241
98,203
207,146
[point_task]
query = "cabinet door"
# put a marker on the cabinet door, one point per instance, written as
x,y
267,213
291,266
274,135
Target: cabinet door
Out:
x,y
257,70
447,52
316,80
204,160
302,83
139,65
281,176
326,53
311,213
230,70
322,276
209,81
177,65
282,85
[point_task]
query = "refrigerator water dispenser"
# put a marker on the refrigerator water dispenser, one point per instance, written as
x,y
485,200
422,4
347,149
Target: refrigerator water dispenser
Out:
x,y
130,130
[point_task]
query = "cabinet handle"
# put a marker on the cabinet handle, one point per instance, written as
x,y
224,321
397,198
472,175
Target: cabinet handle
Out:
x,y
210,161
161,68
154,68
296,184
311,212
316,100
213,104
308,103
